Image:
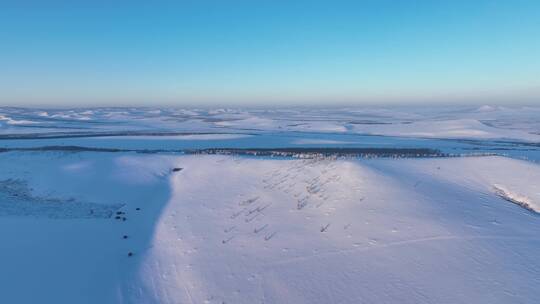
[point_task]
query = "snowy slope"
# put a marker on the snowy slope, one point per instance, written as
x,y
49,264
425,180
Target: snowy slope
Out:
x,y
268,231
252,230
74,257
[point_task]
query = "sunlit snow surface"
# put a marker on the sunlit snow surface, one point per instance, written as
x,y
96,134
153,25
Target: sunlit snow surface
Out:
x,y
80,189
451,122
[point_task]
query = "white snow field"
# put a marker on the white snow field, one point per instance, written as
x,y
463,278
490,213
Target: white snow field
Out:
x,y
231,229
485,122
165,205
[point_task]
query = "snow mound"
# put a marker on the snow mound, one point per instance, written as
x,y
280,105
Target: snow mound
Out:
x,y
486,108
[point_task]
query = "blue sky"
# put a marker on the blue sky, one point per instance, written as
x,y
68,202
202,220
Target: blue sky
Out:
x,y
269,52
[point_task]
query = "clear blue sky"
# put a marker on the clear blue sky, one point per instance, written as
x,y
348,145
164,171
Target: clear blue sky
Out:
x,y
266,52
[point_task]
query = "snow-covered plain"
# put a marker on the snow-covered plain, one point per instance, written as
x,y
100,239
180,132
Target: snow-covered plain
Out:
x,y
485,122
121,226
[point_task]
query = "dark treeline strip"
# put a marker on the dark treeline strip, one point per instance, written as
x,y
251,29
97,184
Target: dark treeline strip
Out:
x,y
338,152
267,152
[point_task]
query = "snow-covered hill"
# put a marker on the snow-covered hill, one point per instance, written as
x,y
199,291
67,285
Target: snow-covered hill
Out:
x,y
227,229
